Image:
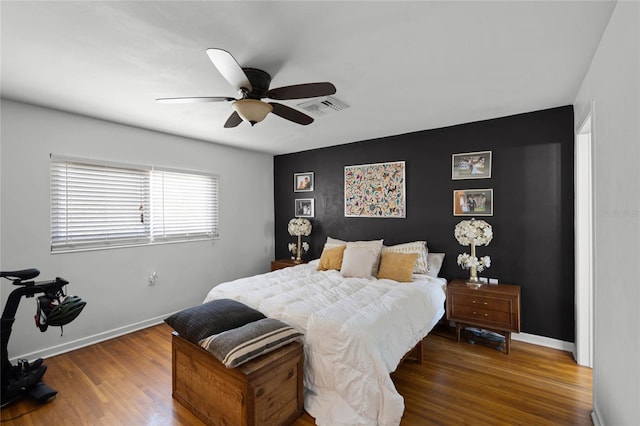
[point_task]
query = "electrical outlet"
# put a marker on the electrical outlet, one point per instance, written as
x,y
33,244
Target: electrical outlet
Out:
x,y
152,278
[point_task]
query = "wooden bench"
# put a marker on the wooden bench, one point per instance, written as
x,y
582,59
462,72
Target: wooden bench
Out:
x,y
267,390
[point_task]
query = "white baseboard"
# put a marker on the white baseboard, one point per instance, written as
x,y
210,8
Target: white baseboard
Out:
x,y
544,341
101,337
90,340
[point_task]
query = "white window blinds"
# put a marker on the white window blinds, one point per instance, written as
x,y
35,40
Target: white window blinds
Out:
x,y
98,205
184,206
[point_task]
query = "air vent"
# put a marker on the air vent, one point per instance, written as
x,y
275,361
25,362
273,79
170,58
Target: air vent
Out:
x,y
320,107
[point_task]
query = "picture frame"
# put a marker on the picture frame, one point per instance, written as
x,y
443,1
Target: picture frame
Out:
x,y
473,202
375,190
304,207
303,182
471,165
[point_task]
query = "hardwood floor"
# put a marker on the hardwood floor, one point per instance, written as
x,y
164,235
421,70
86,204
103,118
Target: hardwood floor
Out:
x,y
127,381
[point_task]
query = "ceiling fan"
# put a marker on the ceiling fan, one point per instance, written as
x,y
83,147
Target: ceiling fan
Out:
x,y
252,85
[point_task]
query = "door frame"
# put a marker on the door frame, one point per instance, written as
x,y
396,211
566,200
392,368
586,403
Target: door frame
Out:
x,y
584,235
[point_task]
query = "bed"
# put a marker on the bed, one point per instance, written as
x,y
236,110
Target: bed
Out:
x,y
356,332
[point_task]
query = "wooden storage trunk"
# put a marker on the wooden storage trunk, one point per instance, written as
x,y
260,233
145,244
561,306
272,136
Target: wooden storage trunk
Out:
x,y
264,391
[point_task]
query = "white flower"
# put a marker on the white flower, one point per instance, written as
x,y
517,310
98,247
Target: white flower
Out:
x,y
293,247
462,259
299,226
466,261
474,231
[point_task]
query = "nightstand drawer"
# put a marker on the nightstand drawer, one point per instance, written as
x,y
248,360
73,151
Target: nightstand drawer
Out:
x,y
473,313
476,301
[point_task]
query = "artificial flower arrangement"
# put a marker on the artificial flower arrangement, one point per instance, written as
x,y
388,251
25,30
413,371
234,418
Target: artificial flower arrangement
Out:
x,y
467,261
473,233
293,247
298,227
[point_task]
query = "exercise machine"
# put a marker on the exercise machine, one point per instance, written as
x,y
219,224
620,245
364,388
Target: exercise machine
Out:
x,y
54,308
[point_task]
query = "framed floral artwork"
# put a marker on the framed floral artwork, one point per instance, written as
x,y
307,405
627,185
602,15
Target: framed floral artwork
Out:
x,y
375,190
303,182
304,207
471,165
473,202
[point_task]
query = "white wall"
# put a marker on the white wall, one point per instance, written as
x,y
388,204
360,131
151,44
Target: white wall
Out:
x,y
612,82
114,282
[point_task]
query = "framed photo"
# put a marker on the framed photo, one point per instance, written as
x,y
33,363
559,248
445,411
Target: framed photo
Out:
x,y
303,182
471,165
375,190
473,202
304,207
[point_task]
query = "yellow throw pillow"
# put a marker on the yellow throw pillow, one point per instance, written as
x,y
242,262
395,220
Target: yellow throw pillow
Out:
x,y
397,266
331,258
420,247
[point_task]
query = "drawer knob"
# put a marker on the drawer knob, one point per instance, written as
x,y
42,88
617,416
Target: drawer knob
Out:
x,y
484,303
475,313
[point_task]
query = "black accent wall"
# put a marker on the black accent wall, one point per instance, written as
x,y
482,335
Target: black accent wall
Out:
x,y
532,181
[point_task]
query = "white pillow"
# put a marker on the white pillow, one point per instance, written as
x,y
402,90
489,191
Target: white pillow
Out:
x,y
334,242
419,247
434,263
357,262
375,246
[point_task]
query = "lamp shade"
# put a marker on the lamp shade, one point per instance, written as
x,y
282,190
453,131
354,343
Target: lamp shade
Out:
x,y
299,226
252,110
473,232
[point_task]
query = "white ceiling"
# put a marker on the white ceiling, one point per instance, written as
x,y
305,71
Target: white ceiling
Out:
x,y
400,66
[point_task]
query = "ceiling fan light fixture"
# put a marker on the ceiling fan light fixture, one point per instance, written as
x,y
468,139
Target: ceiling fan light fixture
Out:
x,y
252,110
252,85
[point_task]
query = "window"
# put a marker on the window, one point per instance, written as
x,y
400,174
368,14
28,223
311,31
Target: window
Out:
x,y
100,205
183,206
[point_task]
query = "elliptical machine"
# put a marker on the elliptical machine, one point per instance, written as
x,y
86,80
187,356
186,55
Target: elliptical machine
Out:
x,y
54,308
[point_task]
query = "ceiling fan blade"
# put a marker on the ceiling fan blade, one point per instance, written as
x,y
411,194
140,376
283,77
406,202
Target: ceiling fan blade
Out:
x,y
300,91
291,114
194,100
233,120
230,69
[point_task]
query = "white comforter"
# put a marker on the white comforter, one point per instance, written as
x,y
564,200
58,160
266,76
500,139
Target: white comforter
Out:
x,y
356,332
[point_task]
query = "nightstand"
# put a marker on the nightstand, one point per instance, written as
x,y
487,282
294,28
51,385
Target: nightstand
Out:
x,y
284,263
492,307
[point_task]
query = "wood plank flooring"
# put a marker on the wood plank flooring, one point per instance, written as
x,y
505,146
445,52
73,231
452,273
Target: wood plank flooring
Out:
x,y
127,381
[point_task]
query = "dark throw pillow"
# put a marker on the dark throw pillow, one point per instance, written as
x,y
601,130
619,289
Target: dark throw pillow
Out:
x,y
216,316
